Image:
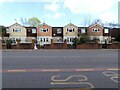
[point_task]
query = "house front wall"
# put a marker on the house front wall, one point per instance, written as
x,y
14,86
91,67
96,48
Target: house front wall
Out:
x,y
70,26
44,26
13,33
16,31
91,30
44,34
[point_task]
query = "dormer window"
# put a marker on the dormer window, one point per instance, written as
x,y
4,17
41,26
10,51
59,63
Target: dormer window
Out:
x,y
96,29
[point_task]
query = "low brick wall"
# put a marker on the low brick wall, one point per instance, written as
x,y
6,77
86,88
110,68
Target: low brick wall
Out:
x,y
64,46
55,46
92,45
114,46
21,46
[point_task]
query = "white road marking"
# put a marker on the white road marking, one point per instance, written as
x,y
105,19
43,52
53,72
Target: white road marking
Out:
x,y
73,83
110,73
84,78
84,70
113,69
16,70
50,70
114,79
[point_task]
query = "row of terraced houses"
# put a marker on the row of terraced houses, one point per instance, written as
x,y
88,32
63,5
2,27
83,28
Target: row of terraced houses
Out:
x,y
44,33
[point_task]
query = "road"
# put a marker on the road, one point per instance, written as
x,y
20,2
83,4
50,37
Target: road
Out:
x,y
60,69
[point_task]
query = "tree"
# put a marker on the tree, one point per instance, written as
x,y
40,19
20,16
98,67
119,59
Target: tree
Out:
x,y
87,20
2,31
34,22
75,41
9,43
83,39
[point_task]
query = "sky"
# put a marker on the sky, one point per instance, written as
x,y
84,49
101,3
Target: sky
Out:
x,y
59,12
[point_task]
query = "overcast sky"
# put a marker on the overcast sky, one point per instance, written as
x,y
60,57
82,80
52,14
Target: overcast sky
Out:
x,y
58,12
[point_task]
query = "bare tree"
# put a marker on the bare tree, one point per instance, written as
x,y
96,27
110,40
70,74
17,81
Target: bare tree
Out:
x,y
24,21
87,20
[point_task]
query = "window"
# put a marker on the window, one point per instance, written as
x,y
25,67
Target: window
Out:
x,y
33,30
59,31
83,31
41,40
67,39
96,29
7,30
44,30
46,39
71,39
70,30
17,30
106,31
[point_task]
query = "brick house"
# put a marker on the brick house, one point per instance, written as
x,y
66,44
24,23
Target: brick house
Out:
x,y
17,31
31,33
97,31
44,34
70,31
57,34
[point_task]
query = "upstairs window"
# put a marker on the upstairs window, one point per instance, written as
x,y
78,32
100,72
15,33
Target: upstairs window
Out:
x,y
70,30
17,30
59,31
83,30
33,30
44,29
96,29
106,30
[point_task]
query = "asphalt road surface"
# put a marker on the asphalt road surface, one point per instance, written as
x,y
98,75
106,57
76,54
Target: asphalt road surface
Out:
x,y
60,69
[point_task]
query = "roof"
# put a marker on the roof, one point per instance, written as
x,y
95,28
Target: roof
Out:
x,y
70,24
45,25
95,25
16,24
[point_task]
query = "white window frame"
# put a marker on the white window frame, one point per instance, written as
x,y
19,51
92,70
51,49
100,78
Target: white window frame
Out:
x,y
17,30
95,29
7,30
106,30
59,31
70,29
44,29
83,30
33,30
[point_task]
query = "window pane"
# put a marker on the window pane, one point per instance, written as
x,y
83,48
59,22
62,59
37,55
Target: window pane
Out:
x,y
82,30
33,30
17,30
59,31
106,30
